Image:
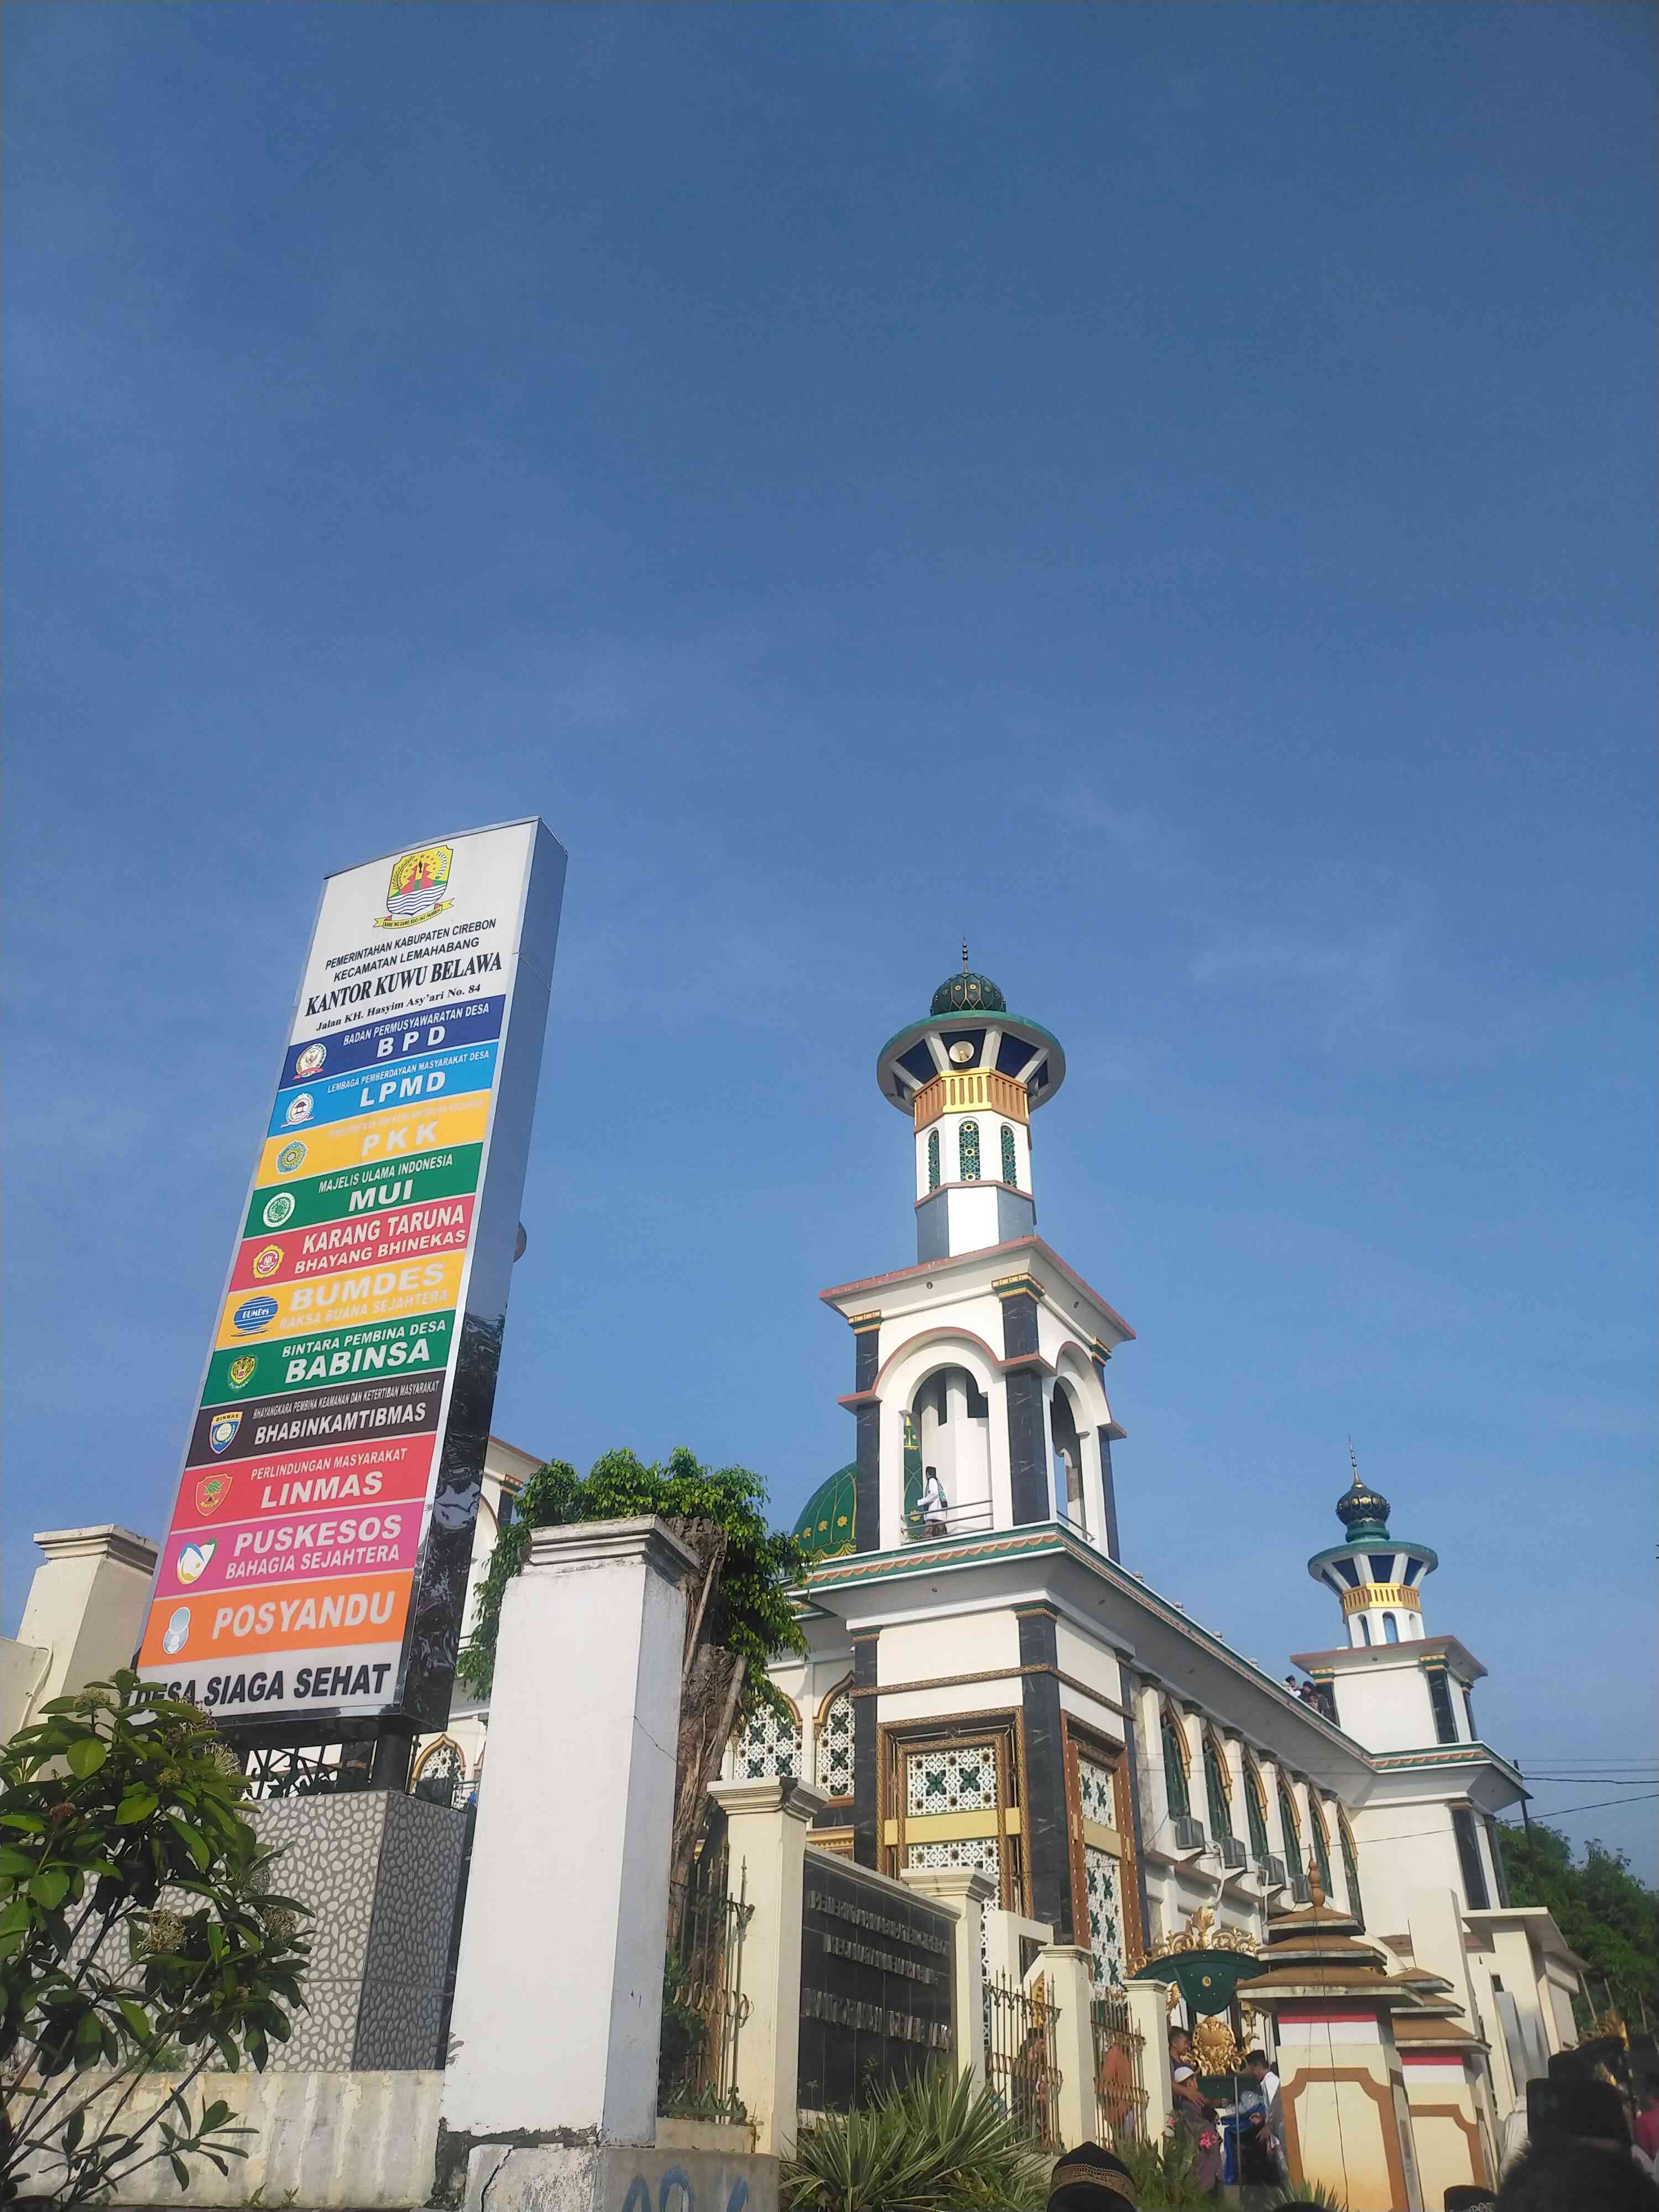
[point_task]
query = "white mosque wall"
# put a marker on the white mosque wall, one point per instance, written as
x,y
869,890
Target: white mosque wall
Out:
x,y
1385,1706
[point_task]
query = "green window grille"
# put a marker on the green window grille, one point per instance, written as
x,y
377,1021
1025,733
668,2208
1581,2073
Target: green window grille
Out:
x,y
1321,1849
1215,1790
1468,1856
1175,1770
1290,1827
1010,1157
932,1159
968,1151
1255,1812
1350,1873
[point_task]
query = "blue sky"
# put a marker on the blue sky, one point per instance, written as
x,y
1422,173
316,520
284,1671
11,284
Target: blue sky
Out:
x,y
1165,491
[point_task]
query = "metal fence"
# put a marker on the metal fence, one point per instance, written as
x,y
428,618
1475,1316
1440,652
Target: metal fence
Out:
x,y
1021,2064
1119,2087
703,2004
318,1771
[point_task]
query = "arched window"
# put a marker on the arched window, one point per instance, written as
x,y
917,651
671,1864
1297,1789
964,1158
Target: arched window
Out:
x,y
1390,1629
1255,1813
1010,1157
1068,1458
1351,1869
835,1746
1218,1790
1321,1849
440,1775
769,1746
1175,1768
968,1151
1290,1827
1364,1630
932,1159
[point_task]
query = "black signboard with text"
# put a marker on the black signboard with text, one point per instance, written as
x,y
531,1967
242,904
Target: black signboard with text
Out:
x,y
877,1984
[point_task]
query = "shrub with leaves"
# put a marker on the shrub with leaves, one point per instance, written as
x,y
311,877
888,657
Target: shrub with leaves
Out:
x,y
933,2142
137,1925
739,1609
1165,2173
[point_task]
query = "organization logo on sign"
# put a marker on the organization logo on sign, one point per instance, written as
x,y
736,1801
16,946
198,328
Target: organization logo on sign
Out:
x,y
178,1631
193,1558
222,1430
268,1262
299,1107
277,1209
290,1157
311,1060
240,1372
416,890
252,1318
211,1492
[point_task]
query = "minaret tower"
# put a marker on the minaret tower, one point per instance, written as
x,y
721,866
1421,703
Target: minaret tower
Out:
x,y
1378,1577
969,1077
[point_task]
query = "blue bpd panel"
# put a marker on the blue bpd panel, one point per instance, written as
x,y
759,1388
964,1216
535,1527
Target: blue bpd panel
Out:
x,y
371,1044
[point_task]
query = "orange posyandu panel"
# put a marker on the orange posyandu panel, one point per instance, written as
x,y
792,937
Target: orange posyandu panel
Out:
x,y
193,1632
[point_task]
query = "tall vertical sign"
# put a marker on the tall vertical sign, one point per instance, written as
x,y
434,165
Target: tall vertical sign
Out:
x,y
315,1569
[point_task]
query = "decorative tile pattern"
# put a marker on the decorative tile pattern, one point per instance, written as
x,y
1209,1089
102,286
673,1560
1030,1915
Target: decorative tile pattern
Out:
x,y
331,1850
381,1874
1097,1792
1100,1879
415,1895
981,1851
932,1159
768,1746
967,1152
835,1747
960,1781
1010,1157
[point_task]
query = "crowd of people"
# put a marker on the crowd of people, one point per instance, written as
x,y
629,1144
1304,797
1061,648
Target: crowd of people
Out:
x,y
1591,2142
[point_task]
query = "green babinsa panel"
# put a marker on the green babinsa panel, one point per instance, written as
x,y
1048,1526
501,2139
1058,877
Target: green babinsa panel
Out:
x,y
418,1344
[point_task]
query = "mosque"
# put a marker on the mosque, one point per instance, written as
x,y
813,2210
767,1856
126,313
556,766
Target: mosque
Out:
x,y
987,1686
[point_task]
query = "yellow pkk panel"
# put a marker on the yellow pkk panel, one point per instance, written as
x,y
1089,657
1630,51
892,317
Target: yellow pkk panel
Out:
x,y
341,1301
392,1136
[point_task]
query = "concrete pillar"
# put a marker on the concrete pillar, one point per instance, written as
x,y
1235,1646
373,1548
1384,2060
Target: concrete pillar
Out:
x,y
967,1892
1069,1971
767,1825
1149,2016
558,1995
86,1606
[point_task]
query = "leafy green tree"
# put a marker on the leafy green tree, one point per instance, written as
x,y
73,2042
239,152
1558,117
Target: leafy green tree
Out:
x,y
1607,1914
138,1922
738,1617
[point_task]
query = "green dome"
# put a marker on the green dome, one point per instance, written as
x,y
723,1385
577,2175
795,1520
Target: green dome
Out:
x,y
1363,1512
823,1526
967,994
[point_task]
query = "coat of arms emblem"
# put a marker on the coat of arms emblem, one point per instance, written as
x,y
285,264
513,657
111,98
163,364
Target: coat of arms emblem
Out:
x,y
221,1430
211,1492
241,1371
416,890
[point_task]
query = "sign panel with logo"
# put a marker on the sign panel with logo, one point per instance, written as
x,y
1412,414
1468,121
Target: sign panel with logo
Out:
x,y
315,1569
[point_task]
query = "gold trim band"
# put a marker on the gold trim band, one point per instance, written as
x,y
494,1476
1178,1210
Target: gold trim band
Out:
x,y
1370,1594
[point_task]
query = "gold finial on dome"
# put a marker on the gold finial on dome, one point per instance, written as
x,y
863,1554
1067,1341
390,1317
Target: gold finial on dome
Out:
x,y
1316,1887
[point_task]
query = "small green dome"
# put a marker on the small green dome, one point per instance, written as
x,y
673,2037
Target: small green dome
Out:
x,y
823,1526
1363,1512
965,994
